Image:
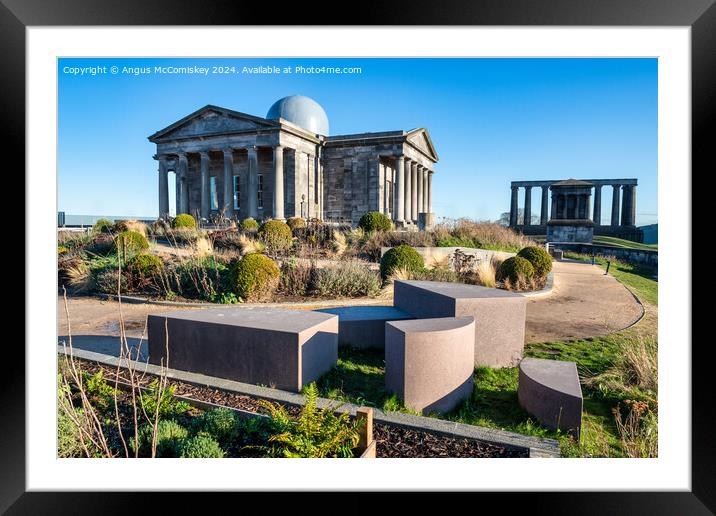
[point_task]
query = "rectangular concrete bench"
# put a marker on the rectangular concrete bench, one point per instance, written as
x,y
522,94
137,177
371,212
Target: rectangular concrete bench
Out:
x,y
429,362
499,315
550,391
364,326
280,348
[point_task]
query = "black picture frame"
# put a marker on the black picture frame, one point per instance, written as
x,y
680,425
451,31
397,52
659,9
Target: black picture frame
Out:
x,y
699,15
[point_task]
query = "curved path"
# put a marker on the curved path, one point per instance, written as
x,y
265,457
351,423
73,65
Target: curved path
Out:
x,y
584,303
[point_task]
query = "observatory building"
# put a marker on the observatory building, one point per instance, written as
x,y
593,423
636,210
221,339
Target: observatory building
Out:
x,y
288,165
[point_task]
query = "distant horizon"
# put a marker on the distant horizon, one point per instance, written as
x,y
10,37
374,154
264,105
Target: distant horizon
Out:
x,y
492,120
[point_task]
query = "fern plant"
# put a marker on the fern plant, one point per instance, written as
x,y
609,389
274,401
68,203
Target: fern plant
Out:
x,y
315,433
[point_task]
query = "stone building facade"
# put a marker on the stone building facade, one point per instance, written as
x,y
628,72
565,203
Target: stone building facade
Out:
x,y
287,165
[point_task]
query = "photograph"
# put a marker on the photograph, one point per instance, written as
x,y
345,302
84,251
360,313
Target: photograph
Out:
x,y
357,257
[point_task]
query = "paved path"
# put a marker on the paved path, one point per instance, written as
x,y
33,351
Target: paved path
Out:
x,y
584,303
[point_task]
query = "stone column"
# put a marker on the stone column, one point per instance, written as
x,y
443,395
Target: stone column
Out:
x,y
626,214
544,206
555,203
615,205
408,191
425,190
205,203
319,179
399,190
414,191
420,194
387,181
229,183
278,197
183,179
253,184
631,221
513,205
528,206
597,217
430,191
163,189
177,188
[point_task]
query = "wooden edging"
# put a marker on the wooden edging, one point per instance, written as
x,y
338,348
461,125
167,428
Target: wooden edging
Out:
x,y
536,447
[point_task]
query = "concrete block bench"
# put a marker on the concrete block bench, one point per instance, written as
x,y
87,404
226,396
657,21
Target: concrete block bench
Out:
x,y
429,362
364,326
499,315
550,391
279,348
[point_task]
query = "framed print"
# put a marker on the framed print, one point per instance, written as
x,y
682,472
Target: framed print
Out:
x,y
417,234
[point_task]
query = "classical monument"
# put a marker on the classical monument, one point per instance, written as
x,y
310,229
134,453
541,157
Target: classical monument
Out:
x,y
571,218
287,165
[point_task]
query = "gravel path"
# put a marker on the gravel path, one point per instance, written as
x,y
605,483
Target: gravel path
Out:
x,y
584,303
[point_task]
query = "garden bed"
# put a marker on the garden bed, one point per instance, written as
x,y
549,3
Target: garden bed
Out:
x,y
391,441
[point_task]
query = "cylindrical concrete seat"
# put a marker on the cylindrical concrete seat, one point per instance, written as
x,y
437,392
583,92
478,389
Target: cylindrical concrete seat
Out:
x,y
429,362
550,391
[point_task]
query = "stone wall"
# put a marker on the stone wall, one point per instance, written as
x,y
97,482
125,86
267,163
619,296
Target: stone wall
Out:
x,y
647,258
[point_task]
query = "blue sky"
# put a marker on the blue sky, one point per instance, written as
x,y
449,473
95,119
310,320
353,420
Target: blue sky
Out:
x,y
491,120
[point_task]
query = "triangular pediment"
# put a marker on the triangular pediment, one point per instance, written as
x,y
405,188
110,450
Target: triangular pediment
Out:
x,y
420,139
211,120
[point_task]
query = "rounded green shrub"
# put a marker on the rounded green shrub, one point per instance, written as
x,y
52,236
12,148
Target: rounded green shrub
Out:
x,y
255,277
515,268
249,224
170,438
276,235
296,222
539,258
105,281
375,221
102,226
101,244
129,243
202,446
183,220
400,257
220,423
145,264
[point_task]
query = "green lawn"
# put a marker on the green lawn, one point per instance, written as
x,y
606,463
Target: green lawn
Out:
x,y
620,242
359,378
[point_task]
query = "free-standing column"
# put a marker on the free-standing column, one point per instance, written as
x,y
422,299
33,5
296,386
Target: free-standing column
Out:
x,y
183,179
253,182
430,191
408,191
597,217
553,212
544,206
319,180
513,205
528,206
163,189
204,156
414,190
627,206
229,183
421,193
278,211
399,199
387,181
615,205
424,208
631,219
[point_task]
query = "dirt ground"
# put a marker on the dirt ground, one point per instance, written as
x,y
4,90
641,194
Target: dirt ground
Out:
x,y
584,303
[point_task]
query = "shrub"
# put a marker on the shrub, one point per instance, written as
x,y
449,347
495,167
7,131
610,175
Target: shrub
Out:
x,y
255,277
347,279
130,225
202,446
375,221
170,437
276,235
102,244
105,281
539,258
295,278
103,226
145,264
249,224
515,269
169,406
129,243
313,433
403,257
183,220
296,223
61,249
220,423
69,438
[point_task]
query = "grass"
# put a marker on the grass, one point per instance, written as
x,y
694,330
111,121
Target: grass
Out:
x,y
604,367
620,242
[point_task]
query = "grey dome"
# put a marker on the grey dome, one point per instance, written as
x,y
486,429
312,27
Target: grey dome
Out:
x,y
302,111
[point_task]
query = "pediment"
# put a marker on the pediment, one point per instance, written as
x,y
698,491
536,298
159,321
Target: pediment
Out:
x,y
420,139
211,121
